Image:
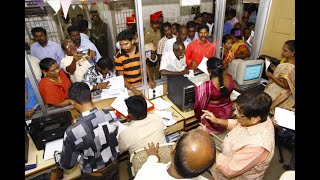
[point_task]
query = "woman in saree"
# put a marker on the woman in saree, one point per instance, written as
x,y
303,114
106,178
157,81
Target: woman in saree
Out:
x,y
281,84
227,41
214,96
239,48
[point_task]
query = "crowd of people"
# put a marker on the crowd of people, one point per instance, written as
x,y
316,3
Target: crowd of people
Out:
x,y
70,73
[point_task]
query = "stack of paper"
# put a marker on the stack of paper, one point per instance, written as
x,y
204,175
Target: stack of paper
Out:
x,y
51,147
116,87
167,118
285,118
161,104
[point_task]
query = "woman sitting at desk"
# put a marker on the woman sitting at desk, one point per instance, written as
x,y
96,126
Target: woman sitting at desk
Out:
x,y
281,85
214,95
54,85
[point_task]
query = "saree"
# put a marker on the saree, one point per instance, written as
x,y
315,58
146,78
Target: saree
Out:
x,y
206,92
284,98
237,47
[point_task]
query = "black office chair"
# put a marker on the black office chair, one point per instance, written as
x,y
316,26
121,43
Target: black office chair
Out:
x,y
286,138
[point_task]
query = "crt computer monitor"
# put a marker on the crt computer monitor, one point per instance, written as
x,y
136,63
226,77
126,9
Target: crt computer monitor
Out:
x,y
246,72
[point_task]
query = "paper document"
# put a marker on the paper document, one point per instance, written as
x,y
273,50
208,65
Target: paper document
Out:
x,y
116,87
203,65
119,104
51,147
234,94
161,104
285,118
167,118
191,74
267,62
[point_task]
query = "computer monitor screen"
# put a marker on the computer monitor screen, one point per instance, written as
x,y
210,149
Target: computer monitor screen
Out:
x,y
246,72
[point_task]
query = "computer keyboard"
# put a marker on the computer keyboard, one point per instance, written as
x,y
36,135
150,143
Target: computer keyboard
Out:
x,y
44,176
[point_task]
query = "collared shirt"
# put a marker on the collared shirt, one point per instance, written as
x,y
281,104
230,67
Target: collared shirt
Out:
x,y
89,45
162,42
234,20
81,67
196,51
93,138
30,99
92,77
196,36
84,37
52,50
154,170
171,63
141,132
151,36
168,46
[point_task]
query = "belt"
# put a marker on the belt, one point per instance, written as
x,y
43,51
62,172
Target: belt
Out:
x,y
99,172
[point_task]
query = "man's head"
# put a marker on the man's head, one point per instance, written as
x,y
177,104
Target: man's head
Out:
x,y
74,35
182,33
74,21
191,25
79,93
194,153
246,33
203,32
126,40
167,30
137,107
179,49
96,18
68,47
40,35
83,26
131,21
104,65
154,21
175,28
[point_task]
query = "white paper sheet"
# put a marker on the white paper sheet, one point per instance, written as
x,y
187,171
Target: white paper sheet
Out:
x,y
285,118
51,147
119,104
116,87
167,118
234,94
161,104
191,74
267,62
203,65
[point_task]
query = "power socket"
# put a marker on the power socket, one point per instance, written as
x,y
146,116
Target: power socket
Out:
x,y
156,92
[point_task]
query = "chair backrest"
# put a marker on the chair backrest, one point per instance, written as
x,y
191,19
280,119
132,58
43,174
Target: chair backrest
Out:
x,y
139,157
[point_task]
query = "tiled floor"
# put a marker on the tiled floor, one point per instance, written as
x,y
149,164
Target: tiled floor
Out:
x,y
273,172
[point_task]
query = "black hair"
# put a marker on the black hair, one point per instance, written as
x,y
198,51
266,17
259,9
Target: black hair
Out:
x,y
254,104
226,37
177,44
215,68
191,24
79,92
166,24
38,29
105,62
72,28
202,26
291,45
197,16
232,12
180,162
83,25
125,35
137,106
46,63
177,25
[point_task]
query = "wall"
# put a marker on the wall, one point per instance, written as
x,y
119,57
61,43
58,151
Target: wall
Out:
x,y
280,27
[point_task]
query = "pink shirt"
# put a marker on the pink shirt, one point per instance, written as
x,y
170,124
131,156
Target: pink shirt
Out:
x,y
196,51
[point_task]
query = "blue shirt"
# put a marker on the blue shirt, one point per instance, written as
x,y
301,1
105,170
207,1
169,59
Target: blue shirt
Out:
x,y
52,50
85,44
196,36
227,27
30,99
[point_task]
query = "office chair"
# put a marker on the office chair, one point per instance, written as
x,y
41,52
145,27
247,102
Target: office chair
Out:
x,y
285,138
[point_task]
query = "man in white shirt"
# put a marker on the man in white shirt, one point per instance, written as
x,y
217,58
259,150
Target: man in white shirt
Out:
x,y
74,64
143,128
181,36
193,154
174,62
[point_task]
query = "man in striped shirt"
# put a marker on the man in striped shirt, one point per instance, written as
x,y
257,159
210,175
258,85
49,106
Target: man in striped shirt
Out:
x,y
127,62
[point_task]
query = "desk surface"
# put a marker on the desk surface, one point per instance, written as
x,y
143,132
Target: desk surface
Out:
x,y
185,115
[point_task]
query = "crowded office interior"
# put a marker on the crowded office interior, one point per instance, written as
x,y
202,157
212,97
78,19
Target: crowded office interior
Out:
x,y
143,89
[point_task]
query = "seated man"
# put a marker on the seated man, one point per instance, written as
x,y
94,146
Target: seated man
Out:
x,y
97,75
93,137
193,154
174,62
143,128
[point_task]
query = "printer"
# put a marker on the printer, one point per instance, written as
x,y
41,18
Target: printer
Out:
x,y
49,128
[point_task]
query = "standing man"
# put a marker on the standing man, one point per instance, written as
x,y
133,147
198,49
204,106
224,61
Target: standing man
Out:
x,y
167,31
81,44
98,33
173,63
43,47
93,137
127,62
199,48
181,36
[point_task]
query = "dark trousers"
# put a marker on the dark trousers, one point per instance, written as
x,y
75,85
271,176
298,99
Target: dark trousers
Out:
x,y
110,172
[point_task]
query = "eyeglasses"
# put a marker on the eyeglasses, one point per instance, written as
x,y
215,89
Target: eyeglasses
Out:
x,y
54,70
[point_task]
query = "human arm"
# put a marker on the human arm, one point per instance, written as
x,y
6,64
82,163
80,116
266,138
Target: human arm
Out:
x,y
241,161
164,72
151,83
211,117
67,158
152,150
128,85
71,68
188,56
64,103
280,81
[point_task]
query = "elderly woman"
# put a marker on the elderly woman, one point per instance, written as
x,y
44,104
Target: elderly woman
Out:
x,y
54,85
214,95
248,148
281,84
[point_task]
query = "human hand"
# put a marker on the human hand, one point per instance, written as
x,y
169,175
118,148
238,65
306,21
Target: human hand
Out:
x,y
185,71
194,65
136,91
153,150
92,54
202,127
104,85
77,56
152,84
56,174
209,115
269,74
29,114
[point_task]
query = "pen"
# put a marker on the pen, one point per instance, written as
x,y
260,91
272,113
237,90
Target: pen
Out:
x,y
31,166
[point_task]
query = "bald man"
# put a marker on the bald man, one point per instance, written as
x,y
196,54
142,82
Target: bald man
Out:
x,y
193,154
